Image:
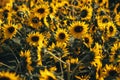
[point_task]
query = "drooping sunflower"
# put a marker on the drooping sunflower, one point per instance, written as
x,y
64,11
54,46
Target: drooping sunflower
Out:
x,y
85,77
102,21
110,71
35,39
21,13
52,10
6,75
27,55
114,48
111,29
58,49
41,10
87,40
117,8
47,75
9,30
72,60
78,29
114,55
117,19
97,56
81,75
86,12
97,49
62,35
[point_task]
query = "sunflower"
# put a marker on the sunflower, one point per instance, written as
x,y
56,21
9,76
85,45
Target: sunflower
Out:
x,y
62,35
27,55
62,6
6,12
115,47
86,12
111,29
102,3
80,3
78,29
98,56
117,19
46,75
41,10
21,13
87,40
59,3
97,49
34,21
5,75
9,30
102,21
58,49
102,11
117,8
114,56
110,71
35,39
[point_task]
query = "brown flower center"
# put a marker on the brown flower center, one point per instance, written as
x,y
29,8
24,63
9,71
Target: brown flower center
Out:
x,y
84,13
61,35
11,29
112,73
41,10
6,13
86,40
78,29
111,29
93,28
100,1
102,13
4,78
35,20
105,20
51,9
50,78
35,38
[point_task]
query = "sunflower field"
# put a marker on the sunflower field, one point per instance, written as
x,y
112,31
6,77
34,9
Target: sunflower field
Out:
x,y
59,39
